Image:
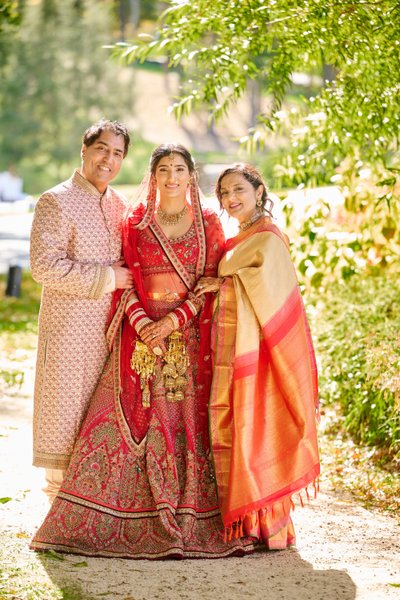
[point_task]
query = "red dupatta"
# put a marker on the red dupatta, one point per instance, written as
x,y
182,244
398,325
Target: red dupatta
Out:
x,y
211,247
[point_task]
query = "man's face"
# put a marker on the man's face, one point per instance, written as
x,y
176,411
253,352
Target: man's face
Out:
x,y
102,160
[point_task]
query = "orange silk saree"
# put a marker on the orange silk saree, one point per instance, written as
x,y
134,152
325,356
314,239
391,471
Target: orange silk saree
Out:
x,y
263,400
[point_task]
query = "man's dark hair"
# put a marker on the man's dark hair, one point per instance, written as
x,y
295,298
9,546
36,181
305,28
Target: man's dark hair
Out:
x,y
93,132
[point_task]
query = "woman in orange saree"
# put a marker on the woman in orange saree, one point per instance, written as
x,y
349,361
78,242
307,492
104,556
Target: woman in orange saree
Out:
x,y
141,482
263,401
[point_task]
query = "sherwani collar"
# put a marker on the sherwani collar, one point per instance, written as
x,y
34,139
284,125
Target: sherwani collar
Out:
x,y
89,188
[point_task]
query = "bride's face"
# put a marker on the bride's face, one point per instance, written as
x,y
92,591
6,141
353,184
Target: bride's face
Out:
x,y
238,196
172,177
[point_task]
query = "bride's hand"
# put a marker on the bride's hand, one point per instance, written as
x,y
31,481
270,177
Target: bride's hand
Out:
x,y
153,334
208,284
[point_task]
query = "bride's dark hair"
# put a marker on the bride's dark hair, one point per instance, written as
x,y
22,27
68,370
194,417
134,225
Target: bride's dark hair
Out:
x,y
167,149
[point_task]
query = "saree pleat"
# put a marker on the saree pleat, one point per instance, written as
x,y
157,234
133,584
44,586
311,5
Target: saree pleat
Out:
x,y
264,394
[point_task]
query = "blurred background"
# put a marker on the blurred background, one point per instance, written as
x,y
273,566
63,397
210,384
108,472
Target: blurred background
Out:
x,y
56,78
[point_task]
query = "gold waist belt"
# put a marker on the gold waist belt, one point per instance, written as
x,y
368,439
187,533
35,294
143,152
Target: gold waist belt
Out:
x,y
166,296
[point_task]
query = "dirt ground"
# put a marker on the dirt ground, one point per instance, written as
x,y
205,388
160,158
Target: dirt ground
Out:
x,y
344,551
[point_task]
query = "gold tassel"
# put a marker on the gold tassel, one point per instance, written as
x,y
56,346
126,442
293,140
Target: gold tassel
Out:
x,y
176,364
143,362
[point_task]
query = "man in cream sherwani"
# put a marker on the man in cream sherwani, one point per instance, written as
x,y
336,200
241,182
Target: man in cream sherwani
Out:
x,y
76,256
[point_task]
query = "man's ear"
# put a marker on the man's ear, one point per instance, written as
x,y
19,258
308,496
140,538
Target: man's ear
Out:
x,y
83,150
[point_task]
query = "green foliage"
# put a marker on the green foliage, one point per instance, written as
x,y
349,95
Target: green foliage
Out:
x,y
12,378
55,81
5,500
337,240
9,13
356,330
136,164
222,44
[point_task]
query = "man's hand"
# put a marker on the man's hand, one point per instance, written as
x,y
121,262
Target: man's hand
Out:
x,y
123,276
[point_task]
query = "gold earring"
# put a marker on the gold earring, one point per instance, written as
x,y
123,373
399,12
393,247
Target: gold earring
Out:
x,y
259,202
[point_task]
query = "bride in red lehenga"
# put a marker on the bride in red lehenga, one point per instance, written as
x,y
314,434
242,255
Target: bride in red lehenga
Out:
x,y
141,480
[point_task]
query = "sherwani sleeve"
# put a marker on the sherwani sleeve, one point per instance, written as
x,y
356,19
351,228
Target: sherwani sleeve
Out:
x,y
50,264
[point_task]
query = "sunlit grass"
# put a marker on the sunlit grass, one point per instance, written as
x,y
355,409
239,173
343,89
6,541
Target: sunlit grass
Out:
x,y
369,474
18,323
18,330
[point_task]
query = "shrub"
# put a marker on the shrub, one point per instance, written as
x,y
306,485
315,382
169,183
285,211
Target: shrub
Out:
x,y
356,329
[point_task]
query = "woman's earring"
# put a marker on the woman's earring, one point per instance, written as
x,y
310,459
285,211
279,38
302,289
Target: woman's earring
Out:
x,y
259,202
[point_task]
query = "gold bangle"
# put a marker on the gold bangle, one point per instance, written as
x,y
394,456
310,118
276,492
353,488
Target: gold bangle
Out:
x,y
142,323
174,320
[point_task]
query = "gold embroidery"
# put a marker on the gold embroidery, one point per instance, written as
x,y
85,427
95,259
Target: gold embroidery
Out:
x,y
174,371
143,362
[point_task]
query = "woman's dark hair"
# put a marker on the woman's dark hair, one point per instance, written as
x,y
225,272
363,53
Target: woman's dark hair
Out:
x,y
253,176
93,132
167,149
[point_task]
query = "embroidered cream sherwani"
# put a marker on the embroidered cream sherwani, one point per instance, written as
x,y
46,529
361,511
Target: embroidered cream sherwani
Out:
x,y
75,236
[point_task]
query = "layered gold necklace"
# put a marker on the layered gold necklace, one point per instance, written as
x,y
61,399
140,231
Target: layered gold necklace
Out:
x,y
171,218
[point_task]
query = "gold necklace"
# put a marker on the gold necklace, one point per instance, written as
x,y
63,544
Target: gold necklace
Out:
x,y
170,218
254,217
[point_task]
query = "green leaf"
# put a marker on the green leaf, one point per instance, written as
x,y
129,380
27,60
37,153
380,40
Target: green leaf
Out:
x,y
316,279
347,272
388,181
83,563
53,555
388,232
5,500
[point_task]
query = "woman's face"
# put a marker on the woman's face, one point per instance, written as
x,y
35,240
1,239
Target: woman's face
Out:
x,y
172,177
238,196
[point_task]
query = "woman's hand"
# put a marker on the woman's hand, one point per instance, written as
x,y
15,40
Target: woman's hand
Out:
x,y
154,334
208,284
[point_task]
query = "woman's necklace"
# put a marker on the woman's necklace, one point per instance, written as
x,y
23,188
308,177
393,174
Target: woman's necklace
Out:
x,y
170,218
254,217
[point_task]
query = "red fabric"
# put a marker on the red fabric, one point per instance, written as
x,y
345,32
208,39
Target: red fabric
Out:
x,y
133,240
